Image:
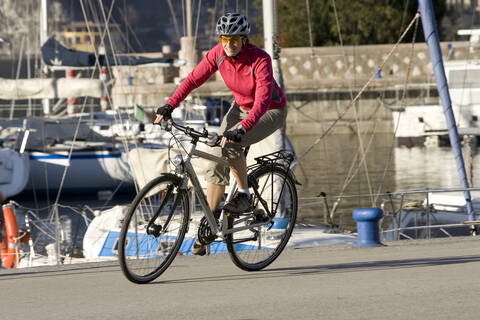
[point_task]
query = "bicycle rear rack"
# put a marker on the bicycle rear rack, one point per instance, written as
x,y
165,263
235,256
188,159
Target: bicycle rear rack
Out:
x,y
282,157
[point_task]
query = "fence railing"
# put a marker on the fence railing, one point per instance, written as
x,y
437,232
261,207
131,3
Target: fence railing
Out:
x,y
408,217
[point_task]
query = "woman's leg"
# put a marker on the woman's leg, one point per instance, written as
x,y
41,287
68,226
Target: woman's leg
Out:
x,y
215,194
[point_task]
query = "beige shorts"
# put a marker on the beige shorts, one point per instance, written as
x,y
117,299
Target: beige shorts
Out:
x,y
272,120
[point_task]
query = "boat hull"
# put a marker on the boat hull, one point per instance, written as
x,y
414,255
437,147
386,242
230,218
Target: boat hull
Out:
x,y
86,172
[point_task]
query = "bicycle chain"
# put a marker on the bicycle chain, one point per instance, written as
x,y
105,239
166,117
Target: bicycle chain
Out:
x,y
204,234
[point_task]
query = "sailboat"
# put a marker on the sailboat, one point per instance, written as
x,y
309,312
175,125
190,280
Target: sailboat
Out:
x,y
425,123
450,210
14,173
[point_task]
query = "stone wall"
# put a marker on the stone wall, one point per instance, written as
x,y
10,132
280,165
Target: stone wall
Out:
x,y
341,67
320,84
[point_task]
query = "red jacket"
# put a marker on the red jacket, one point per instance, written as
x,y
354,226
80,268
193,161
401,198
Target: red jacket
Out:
x,y
249,77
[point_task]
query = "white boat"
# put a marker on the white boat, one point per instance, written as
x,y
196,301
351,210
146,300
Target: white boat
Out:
x,y
101,239
442,213
426,122
87,171
423,121
92,163
14,172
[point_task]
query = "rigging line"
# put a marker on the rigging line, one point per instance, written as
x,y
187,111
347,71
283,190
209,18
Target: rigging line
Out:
x,y
183,18
345,62
19,68
196,25
212,26
117,115
361,90
297,109
309,20
130,28
405,10
351,175
354,167
118,112
175,22
467,60
69,155
363,153
403,103
125,20
107,31
77,126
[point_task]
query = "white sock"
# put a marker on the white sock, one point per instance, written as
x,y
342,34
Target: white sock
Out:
x,y
244,191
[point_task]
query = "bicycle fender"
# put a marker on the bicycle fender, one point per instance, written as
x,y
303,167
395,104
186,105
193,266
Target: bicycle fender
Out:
x,y
171,176
294,178
177,179
290,174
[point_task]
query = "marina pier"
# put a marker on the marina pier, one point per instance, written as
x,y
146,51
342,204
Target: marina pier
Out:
x,y
422,279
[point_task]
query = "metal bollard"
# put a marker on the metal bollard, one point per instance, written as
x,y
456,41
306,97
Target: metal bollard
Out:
x,y
367,226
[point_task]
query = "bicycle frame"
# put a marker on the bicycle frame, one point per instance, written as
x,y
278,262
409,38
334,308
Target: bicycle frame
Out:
x,y
188,172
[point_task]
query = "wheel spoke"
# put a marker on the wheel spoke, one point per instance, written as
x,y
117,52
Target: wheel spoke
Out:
x,y
255,248
145,255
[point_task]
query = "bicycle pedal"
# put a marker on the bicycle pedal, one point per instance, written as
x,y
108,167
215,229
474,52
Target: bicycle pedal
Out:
x,y
260,216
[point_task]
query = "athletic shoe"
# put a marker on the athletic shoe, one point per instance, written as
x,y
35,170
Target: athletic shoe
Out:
x,y
240,203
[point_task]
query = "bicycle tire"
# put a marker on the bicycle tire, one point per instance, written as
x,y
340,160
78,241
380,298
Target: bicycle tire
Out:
x,y
254,255
143,257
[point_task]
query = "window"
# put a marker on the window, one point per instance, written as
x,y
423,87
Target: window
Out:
x,y
464,78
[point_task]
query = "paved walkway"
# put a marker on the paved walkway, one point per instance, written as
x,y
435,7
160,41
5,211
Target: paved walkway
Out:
x,y
438,279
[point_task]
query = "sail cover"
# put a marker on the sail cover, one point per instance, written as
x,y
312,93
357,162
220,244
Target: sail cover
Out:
x,y
50,88
55,54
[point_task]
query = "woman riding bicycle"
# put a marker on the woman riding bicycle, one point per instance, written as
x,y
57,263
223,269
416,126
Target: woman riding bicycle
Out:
x,y
258,110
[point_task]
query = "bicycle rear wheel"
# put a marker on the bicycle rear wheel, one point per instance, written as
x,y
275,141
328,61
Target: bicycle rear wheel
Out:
x,y
146,254
255,248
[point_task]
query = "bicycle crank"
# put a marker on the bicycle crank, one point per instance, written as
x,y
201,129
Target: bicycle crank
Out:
x,y
205,235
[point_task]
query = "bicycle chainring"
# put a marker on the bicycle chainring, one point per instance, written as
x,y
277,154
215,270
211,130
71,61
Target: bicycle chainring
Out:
x,y
205,235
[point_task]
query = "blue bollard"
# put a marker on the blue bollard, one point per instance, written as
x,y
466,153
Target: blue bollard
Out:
x,y
367,226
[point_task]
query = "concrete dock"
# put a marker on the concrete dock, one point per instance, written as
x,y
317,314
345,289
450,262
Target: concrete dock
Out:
x,y
423,279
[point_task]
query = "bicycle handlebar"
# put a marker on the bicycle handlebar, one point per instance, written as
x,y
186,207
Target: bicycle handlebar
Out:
x,y
191,132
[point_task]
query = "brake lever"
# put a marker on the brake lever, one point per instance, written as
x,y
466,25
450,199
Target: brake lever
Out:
x,y
165,124
213,140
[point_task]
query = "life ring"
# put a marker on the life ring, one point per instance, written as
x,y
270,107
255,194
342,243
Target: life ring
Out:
x,y
10,246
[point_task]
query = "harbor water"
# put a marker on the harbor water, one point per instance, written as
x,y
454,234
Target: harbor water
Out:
x,y
333,166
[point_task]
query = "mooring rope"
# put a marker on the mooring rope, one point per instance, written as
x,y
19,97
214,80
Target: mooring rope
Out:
x,y
362,89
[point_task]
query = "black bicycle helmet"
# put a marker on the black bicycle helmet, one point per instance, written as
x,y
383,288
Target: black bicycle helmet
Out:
x,y
231,24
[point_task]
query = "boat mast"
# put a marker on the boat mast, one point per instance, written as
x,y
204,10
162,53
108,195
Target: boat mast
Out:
x,y
188,51
431,37
270,35
43,39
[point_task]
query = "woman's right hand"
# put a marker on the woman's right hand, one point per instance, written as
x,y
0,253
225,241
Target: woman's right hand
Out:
x,y
163,113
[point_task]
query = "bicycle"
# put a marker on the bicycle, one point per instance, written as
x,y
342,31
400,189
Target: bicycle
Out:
x,y
154,228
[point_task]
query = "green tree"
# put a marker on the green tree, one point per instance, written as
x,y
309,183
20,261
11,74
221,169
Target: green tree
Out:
x,y
360,21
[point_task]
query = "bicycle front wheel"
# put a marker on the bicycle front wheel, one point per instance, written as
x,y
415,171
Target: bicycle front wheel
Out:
x,y
147,246
255,248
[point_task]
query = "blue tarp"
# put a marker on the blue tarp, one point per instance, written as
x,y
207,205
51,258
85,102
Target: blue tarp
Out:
x,y
55,54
